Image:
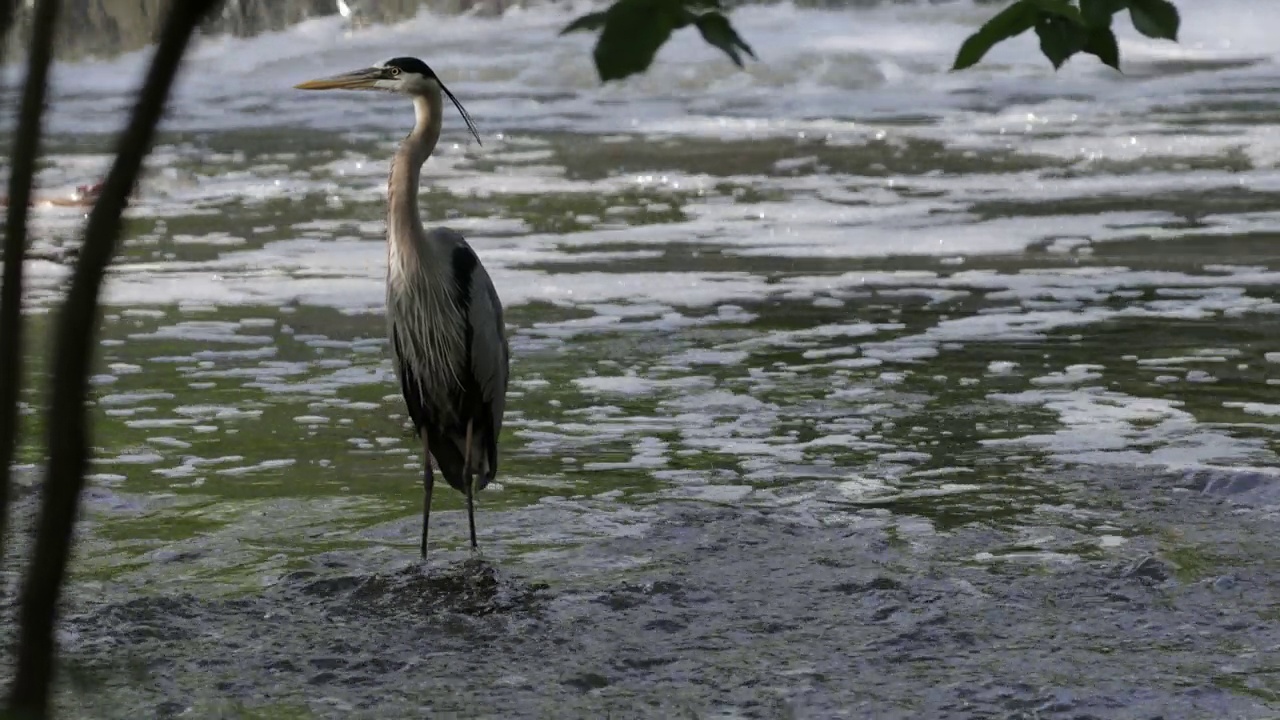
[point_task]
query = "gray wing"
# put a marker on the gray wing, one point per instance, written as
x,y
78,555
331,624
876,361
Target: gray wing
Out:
x,y
489,351
485,329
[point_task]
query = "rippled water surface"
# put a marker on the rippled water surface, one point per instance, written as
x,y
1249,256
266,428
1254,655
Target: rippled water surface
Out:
x,y
842,387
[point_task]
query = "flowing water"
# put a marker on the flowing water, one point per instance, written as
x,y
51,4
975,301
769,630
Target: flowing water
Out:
x,y
844,386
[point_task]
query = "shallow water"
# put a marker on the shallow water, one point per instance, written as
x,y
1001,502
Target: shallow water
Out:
x,y
843,387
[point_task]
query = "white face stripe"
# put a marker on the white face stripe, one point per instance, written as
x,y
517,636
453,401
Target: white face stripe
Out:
x,y
406,73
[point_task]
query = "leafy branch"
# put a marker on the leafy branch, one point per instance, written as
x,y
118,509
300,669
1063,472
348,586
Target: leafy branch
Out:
x,y
1069,27
632,32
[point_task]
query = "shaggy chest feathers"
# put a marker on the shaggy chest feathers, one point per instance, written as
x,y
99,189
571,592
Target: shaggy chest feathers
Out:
x,y
427,327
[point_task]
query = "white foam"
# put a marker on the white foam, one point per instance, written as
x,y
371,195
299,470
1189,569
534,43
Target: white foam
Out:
x,y
1255,408
634,385
877,61
883,62
1107,427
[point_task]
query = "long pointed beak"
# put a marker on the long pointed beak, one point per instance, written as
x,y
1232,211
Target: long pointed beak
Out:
x,y
362,79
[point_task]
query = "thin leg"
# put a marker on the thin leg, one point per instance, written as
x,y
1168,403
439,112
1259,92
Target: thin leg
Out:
x,y
428,483
471,485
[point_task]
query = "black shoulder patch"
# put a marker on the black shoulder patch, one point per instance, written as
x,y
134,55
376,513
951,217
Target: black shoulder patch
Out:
x,y
410,65
464,268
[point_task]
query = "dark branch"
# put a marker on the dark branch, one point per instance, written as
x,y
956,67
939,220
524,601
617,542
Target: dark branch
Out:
x,y
7,10
26,141
76,332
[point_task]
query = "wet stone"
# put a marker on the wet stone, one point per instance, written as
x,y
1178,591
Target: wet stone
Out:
x,y
645,663
587,682
1225,583
327,587
621,600
1150,570
169,709
323,678
379,665
665,625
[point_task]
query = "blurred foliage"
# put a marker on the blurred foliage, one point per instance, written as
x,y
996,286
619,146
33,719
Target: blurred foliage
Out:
x,y
632,31
76,330
1068,27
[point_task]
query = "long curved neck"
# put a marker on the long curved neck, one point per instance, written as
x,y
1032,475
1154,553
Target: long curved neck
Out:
x,y
404,224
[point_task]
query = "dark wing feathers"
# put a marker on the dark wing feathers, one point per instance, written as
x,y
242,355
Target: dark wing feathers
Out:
x,y
447,454
485,333
482,396
489,358
487,350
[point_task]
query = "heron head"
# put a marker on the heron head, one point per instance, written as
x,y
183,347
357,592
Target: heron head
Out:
x,y
403,75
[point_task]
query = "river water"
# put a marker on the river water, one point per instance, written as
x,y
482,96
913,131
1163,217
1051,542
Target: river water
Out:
x,y
844,386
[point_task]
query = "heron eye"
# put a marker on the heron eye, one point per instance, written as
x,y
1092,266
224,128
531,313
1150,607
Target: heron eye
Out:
x,y
395,71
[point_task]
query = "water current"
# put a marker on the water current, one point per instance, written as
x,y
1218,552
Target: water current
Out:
x,y
842,386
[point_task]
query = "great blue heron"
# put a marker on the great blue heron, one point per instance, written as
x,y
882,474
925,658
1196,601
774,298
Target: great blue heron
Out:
x,y
444,318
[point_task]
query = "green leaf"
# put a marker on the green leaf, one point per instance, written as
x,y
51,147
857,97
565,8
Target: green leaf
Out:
x,y
1059,38
684,18
1155,18
634,31
590,21
1062,8
1010,22
717,31
1097,13
1102,43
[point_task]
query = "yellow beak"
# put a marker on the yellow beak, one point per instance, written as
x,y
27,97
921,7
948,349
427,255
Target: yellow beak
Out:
x,y
356,80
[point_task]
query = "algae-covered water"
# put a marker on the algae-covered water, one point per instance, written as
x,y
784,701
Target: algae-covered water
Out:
x,y
841,387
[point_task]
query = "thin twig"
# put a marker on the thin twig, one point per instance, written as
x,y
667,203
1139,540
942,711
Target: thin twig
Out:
x,y
76,333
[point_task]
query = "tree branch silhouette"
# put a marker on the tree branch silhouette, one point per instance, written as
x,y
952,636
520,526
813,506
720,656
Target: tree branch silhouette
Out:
x,y
26,143
74,342
7,10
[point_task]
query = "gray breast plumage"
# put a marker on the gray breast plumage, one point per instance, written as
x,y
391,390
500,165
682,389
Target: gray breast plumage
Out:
x,y
425,323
